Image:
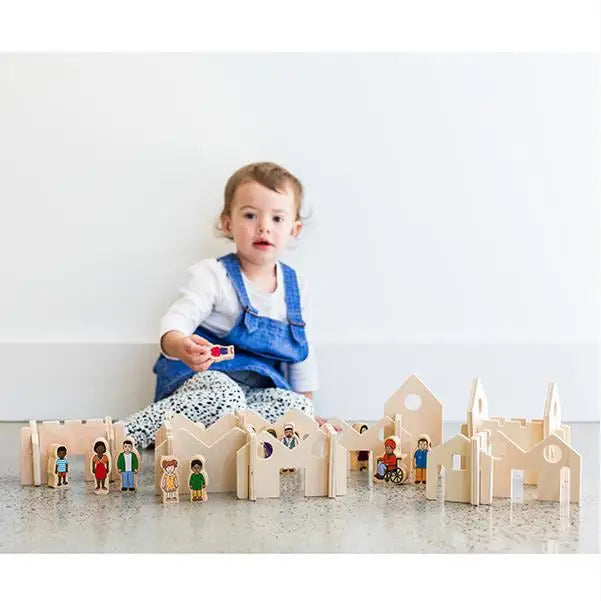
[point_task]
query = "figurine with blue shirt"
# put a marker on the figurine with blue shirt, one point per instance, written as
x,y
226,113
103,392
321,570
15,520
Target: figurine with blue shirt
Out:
x,y
420,458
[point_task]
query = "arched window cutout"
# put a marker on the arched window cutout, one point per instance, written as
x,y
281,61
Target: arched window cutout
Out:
x,y
517,486
552,453
458,462
264,450
564,486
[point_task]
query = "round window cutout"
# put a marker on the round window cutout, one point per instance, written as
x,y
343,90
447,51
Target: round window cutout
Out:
x,y
413,402
552,453
319,448
265,450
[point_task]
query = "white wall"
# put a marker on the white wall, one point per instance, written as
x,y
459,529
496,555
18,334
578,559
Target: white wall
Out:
x,y
455,205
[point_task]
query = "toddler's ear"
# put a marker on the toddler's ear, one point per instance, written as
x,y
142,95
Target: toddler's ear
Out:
x,y
297,230
226,223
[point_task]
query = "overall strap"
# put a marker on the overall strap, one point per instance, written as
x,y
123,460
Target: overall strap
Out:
x,y
293,305
232,266
292,296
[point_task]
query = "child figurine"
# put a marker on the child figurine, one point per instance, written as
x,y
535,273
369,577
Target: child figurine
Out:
x,y
388,461
222,353
290,441
198,482
62,466
101,467
362,457
420,458
169,480
127,464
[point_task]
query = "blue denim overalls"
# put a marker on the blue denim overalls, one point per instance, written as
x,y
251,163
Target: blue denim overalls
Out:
x,y
262,345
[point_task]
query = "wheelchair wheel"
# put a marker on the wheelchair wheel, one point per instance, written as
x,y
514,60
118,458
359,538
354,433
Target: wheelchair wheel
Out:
x,y
387,476
397,476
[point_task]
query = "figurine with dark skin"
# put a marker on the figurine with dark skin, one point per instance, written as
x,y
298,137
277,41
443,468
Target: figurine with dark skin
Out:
x,y
62,466
100,466
197,482
420,459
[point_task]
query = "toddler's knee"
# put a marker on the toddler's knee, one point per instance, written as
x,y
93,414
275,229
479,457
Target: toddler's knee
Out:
x,y
210,379
302,403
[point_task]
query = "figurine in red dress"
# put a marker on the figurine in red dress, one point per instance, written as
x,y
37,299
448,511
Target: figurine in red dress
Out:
x,y
100,466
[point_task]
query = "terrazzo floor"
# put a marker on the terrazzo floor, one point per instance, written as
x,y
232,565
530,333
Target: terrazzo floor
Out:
x,y
371,518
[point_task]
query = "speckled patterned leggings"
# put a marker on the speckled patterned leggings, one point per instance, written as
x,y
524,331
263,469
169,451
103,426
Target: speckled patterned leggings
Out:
x,y
208,395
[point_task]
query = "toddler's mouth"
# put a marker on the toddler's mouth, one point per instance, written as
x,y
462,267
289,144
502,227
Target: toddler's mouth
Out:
x,y
262,244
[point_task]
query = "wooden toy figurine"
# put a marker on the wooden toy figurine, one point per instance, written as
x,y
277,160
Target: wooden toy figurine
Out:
x,y
420,458
127,464
388,467
363,456
221,353
290,440
169,479
198,480
58,466
101,466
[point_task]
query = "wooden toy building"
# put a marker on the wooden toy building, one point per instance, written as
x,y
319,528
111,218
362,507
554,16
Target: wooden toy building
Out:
x,y
407,421
480,461
39,441
243,452
234,450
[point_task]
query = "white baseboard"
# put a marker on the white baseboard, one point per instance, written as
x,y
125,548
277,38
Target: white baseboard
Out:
x,y
80,381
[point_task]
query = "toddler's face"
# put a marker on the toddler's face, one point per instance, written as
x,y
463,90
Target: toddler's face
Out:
x,y
262,222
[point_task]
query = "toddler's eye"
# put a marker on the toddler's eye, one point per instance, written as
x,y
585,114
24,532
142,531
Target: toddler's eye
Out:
x,y
249,215
278,219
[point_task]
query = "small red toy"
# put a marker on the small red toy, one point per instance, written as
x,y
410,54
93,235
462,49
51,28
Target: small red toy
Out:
x,y
221,353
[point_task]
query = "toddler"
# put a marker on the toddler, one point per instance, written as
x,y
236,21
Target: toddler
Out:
x,y
247,299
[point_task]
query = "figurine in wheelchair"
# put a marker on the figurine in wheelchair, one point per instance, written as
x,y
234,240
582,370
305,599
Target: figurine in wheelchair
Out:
x,y
390,466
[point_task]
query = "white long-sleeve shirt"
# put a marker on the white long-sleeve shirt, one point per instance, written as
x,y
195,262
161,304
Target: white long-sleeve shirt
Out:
x,y
209,299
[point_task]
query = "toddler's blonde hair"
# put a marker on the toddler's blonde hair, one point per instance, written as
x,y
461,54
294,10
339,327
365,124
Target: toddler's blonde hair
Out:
x,y
270,175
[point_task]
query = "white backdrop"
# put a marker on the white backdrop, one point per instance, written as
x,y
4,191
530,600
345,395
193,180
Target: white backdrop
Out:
x,y
454,230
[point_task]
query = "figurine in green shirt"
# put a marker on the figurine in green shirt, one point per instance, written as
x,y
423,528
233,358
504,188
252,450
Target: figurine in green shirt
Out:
x,y
198,483
127,464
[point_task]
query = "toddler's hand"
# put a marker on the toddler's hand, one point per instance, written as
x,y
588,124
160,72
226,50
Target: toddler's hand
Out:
x,y
322,420
195,352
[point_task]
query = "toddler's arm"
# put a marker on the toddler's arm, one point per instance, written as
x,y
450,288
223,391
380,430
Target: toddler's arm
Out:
x,y
193,350
185,314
